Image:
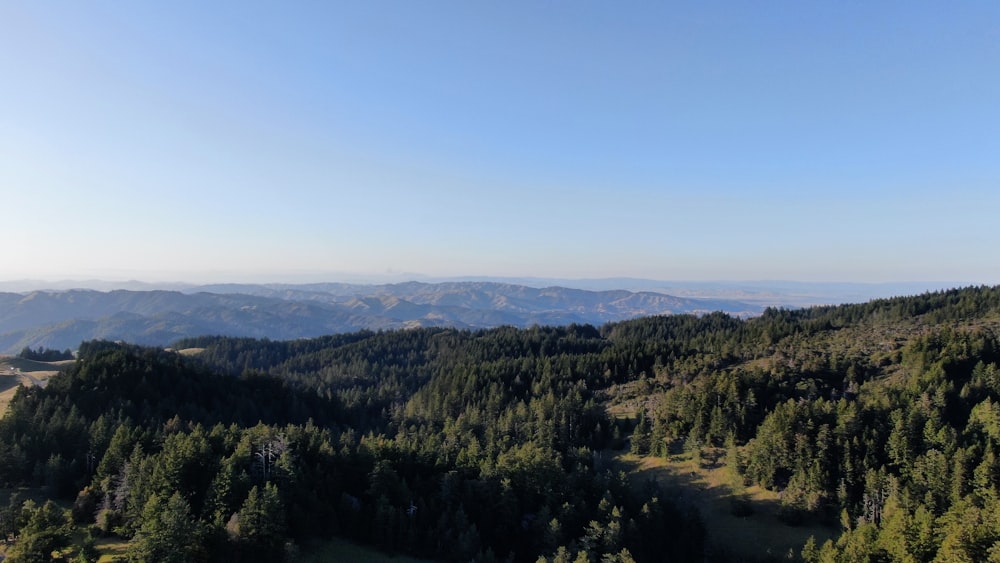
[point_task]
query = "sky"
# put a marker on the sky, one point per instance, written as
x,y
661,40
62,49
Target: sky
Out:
x,y
283,141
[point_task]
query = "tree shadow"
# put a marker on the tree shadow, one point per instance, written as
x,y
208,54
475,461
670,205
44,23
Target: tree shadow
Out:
x,y
740,526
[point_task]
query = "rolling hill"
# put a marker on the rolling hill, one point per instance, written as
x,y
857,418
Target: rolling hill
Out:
x,y
62,319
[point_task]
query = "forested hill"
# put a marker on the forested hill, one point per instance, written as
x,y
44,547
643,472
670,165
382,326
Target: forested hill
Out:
x,y
879,420
444,444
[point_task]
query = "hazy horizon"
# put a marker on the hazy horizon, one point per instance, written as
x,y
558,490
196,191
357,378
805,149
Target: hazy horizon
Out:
x,y
235,142
681,287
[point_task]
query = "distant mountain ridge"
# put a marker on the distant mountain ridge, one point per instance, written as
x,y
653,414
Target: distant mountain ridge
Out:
x,y
781,293
62,319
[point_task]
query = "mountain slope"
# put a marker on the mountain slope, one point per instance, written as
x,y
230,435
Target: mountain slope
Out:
x,y
62,319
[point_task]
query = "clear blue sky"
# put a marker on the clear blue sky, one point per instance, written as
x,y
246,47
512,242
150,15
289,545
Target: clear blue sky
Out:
x,y
840,140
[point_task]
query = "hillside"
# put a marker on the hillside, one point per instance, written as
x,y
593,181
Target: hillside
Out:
x,y
63,319
874,425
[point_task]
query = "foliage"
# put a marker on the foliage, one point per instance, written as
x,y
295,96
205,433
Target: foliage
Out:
x,y
882,418
43,354
45,531
442,444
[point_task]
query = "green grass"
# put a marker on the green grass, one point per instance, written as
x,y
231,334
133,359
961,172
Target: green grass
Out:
x,y
338,549
39,496
760,535
111,549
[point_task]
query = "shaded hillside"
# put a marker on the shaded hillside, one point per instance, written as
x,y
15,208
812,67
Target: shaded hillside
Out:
x,y
877,420
503,297
447,444
64,319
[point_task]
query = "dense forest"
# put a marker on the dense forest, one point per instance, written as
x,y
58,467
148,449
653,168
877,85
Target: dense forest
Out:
x,y
879,420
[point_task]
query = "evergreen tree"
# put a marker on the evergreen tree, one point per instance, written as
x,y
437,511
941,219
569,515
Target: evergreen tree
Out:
x,y
169,533
46,531
641,436
258,528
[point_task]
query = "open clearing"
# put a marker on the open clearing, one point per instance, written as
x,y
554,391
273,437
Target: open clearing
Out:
x,y
338,549
18,371
759,536
111,549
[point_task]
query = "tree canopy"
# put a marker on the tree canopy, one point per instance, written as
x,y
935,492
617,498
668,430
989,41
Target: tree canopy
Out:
x,y
880,419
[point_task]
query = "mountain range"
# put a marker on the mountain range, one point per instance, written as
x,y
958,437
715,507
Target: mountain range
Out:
x,y
61,319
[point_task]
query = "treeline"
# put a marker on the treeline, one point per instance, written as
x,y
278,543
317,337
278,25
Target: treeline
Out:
x,y
449,445
43,354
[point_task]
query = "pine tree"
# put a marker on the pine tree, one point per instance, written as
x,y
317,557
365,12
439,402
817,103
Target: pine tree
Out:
x,y
46,531
258,528
169,533
641,436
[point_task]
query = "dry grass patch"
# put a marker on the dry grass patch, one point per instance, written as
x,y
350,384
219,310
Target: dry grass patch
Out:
x,y
111,549
33,366
618,411
7,395
759,535
36,371
18,371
